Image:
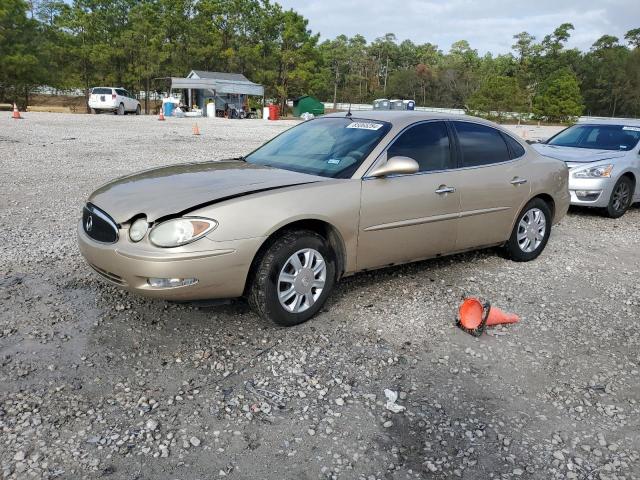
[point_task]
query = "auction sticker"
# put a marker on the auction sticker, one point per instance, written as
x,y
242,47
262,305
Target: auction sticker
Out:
x,y
365,125
633,129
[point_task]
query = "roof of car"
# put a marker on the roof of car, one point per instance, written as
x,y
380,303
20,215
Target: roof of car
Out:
x,y
406,117
632,122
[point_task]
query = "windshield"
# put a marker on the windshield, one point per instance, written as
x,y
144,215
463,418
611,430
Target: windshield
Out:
x,y
330,147
599,137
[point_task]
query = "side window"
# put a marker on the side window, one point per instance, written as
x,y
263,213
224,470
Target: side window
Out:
x,y
121,92
480,145
517,150
427,143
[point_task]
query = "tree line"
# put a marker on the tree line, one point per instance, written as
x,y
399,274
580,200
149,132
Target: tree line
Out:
x,y
135,43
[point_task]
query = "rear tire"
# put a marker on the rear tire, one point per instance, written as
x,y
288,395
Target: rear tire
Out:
x,y
138,110
272,296
621,198
120,110
94,111
530,232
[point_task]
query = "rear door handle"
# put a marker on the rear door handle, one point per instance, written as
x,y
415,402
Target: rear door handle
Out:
x,y
444,189
518,181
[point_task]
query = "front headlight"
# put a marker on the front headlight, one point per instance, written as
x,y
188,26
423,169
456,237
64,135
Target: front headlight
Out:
x,y
138,229
594,172
180,231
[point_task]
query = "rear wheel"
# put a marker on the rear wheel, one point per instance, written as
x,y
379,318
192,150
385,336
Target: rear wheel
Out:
x,y
94,111
621,198
138,110
120,110
531,232
293,278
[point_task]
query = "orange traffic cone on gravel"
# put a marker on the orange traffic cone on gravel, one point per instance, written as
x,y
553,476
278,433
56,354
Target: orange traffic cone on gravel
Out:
x,y
161,116
16,112
475,314
196,130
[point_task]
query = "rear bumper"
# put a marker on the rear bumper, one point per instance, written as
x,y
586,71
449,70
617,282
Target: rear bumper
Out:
x,y
221,268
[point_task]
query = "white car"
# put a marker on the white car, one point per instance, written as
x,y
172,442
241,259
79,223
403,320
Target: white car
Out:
x,y
603,156
116,100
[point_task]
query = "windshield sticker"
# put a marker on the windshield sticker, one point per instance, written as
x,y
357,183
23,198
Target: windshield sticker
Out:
x,y
633,129
333,161
365,125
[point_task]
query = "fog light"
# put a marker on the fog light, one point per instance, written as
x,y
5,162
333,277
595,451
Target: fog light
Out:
x,y
588,194
171,282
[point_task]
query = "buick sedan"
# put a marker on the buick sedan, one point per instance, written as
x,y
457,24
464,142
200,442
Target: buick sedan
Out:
x,y
328,198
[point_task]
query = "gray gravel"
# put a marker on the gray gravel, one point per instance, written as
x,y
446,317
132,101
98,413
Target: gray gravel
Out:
x,y
95,382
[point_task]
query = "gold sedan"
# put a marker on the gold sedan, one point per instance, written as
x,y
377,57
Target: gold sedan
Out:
x,y
328,198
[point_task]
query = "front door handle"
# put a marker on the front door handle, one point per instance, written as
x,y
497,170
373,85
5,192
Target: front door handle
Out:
x,y
518,181
442,189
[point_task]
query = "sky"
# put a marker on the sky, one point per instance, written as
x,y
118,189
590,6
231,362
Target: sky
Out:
x,y
488,25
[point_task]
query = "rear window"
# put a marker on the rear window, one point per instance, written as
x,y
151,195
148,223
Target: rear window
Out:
x,y
101,91
480,145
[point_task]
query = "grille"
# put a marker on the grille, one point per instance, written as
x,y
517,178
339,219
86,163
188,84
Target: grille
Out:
x,y
112,277
98,225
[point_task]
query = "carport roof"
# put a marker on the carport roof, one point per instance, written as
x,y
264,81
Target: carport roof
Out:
x,y
220,82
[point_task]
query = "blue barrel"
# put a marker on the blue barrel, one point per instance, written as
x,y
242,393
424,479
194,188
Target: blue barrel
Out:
x,y
168,108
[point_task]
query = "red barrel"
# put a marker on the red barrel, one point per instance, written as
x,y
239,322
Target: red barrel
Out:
x,y
274,112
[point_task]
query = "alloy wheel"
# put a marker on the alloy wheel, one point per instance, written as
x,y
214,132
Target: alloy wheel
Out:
x,y
531,230
621,197
302,280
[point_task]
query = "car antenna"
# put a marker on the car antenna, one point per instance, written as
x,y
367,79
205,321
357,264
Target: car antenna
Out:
x,y
349,112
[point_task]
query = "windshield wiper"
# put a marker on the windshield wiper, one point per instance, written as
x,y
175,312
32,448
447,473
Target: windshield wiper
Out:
x,y
241,159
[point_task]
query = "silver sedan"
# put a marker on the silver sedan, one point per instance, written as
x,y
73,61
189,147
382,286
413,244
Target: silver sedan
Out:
x,y
604,162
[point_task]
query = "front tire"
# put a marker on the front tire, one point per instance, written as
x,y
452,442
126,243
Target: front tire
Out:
x,y
138,110
293,278
531,232
621,198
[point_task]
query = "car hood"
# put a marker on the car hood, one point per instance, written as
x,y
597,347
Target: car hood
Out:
x,y
177,189
576,155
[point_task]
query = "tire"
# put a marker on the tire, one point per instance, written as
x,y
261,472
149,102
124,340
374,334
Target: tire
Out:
x,y
274,264
138,110
528,248
120,110
621,198
94,111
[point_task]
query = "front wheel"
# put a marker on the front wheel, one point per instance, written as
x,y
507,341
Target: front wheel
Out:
x,y
621,198
293,278
531,232
138,110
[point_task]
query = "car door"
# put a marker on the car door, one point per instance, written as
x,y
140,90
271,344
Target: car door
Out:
x,y
131,102
492,181
410,217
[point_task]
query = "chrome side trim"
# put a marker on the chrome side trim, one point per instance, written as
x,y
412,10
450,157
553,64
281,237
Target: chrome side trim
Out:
x,y
472,213
412,222
433,219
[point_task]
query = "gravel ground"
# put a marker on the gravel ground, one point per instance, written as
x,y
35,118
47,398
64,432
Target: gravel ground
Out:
x,y
97,383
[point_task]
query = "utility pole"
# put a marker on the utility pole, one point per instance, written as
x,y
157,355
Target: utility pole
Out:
x,y
386,74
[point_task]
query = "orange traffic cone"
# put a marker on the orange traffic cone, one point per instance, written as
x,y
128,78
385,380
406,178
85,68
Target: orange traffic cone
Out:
x,y
161,116
196,130
474,315
16,112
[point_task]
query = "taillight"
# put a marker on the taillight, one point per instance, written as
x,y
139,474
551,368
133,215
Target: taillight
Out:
x,y
113,96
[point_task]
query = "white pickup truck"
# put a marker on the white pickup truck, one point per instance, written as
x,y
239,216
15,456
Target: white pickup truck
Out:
x,y
116,100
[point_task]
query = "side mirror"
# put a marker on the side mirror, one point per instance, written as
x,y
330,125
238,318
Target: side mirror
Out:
x,y
396,166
